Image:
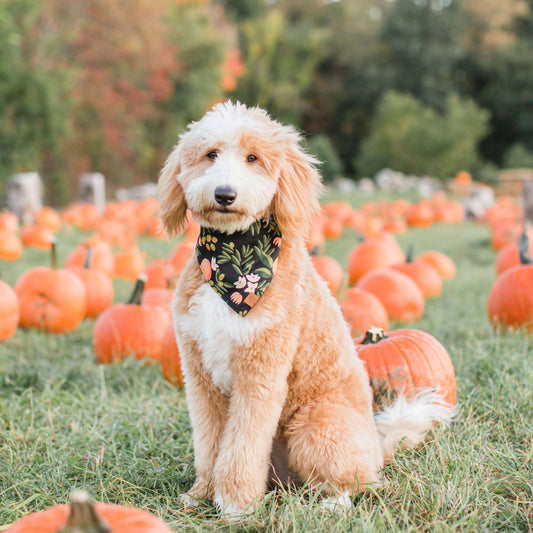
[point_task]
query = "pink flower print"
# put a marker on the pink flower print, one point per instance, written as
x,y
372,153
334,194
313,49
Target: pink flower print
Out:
x,y
236,297
240,283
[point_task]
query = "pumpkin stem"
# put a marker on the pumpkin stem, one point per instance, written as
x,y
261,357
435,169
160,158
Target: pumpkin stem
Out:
x,y
53,254
88,257
83,517
373,336
410,255
523,248
136,295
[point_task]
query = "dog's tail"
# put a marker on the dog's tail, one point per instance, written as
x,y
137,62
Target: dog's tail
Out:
x,y
408,421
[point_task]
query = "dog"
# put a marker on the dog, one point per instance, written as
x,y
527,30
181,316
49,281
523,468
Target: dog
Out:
x,y
274,388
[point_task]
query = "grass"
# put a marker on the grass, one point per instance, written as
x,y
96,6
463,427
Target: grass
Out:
x,y
123,433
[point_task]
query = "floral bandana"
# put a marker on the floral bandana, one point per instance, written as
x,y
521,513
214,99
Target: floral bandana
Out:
x,y
240,266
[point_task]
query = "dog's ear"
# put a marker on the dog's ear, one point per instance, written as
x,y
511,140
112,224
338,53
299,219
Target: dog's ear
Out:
x,y
172,204
299,187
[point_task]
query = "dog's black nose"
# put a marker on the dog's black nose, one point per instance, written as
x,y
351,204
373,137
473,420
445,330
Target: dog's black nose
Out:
x,y
225,195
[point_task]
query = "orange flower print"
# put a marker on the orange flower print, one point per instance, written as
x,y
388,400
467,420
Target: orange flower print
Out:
x,y
236,297
277,241
205,267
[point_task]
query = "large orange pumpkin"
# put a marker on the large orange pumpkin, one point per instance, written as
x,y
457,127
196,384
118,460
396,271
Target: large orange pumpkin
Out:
x,y
510,302
362,310
9,311
101,256
51,299
170,358
422,273
157,296
405,362
98,285
375,252
81,516
398,293
10,246
129,329
329,270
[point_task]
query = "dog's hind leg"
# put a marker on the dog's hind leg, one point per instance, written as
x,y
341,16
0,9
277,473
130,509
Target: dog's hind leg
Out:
x,y
335,447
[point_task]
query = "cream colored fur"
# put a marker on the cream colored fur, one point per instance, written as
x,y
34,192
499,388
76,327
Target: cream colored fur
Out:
x,y
282,385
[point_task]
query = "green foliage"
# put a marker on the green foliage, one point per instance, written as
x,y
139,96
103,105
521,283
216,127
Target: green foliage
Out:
x,y
409,137
518,156
324,150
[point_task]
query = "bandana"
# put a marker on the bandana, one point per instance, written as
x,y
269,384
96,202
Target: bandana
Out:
x,y
239,267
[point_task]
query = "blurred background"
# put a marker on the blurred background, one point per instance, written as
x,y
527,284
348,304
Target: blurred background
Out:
x,y
425,87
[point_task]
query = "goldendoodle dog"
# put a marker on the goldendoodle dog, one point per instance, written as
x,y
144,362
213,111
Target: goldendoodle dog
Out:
x,y
274,388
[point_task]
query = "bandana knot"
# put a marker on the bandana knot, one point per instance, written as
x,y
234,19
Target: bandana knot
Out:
x,y
239,267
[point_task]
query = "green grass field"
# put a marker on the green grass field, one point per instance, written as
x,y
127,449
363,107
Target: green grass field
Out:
x,y
122,432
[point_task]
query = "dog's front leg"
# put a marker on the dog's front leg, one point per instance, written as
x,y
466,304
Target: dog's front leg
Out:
x,y
259,389
207,411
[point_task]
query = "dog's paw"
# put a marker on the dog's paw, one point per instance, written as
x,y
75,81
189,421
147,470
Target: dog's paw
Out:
x,y
189,500
231,510
338,503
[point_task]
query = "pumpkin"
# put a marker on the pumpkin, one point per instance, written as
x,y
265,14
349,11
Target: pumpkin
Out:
x,y
420,215
9,311
159,275
362,309
101,256
130,329
98,285
329,270
158,296
115,232
154,228
375,252
398,293
422,273
333,227
129,263
37,236
406,362
82,215
81,516
509,255
315,240
463,178
440,262
9,221
170,358
510,302
181,255
51,299
46,216
10,246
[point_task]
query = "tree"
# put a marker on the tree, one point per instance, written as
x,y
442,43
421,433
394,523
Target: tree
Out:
x,y
415,139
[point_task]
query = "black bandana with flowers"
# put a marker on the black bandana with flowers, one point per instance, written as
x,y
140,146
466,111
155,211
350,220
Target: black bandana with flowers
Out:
x,y
239,267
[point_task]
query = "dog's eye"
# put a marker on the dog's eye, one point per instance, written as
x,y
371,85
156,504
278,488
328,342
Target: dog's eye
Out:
x,y
212,155
251,158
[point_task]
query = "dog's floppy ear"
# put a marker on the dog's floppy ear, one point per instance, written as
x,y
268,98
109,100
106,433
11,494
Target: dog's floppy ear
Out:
x,y
296,200
172,204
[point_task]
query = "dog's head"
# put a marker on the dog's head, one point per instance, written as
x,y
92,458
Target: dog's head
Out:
x,y
237,165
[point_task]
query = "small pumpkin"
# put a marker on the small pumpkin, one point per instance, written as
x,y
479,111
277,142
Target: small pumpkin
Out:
x,y
422,273
398,293
158,296
170,358
98,285
9,221
362,309
406,362
10,246
510,302
159,275
420,215
129,263
9,311
130,329
181,254
37,236
51,299
329,270
443,264
49,217
81,516
101,256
